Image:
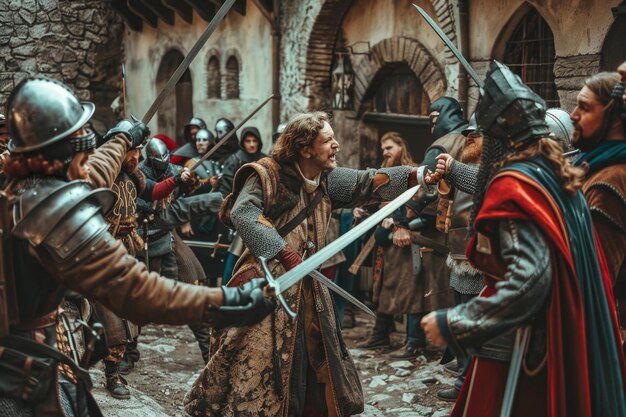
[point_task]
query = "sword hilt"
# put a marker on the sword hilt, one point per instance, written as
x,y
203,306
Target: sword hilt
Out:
x,y
272,289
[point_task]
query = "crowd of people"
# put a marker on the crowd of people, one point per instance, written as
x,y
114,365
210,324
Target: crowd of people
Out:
x,y
510,255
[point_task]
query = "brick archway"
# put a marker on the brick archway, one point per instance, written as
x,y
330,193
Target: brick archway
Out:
x,y
424,65
319,57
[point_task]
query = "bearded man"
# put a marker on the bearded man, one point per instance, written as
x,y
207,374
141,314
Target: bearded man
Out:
x,y
285,367
398,287
545,272
600,133
121,334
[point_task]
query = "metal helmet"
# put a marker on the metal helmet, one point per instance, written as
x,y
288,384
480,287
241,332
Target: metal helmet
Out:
x,y
279,131
222,127
510,111
560,125
205,135
195,121
158,155
471,127
42,111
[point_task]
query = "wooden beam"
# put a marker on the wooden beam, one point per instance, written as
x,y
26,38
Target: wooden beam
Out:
x,y
183,9
164,13
133,21
137,7
204,9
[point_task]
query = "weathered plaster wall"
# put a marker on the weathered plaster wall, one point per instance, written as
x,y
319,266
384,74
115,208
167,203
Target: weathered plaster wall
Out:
x,y
579,29
77,43
248,35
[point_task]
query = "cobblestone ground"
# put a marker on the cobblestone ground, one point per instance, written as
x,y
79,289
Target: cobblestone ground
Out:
x,y
170,362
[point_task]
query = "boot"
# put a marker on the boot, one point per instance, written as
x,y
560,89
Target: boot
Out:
x,y
115,383
408,351
448,394
125,365
380,335
452,367
132,353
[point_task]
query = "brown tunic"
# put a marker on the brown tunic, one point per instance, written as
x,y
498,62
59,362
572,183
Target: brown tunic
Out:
x,y
240,379
605,191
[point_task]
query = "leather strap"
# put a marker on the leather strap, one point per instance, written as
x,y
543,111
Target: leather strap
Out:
x,y
30,347
46,320
303,214
429,243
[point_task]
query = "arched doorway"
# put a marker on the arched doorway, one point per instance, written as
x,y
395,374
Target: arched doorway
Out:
x,y
392,92
614,47
398,102
177,108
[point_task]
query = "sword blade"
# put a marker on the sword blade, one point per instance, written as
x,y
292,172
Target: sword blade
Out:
x,y
217,19
451,46
331,285
294,275
229,135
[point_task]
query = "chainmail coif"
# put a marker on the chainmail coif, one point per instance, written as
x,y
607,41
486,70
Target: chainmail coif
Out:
x,y
494,151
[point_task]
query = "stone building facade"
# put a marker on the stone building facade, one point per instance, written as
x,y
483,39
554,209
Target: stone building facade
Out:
x,y
79,43
293,49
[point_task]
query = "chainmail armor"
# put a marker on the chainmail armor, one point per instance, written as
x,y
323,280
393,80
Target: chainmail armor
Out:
x,y
463,176
260,239
494,151
341,184
398,181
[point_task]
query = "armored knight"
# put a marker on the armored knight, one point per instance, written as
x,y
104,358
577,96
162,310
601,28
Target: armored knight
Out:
x,y
120,334
546,276
164,215
188,149
59,240
209,171
222,127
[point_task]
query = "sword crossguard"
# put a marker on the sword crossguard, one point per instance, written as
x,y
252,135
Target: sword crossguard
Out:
x,y
273,287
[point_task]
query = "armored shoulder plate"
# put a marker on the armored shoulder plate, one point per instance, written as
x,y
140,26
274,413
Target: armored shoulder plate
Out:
x,y
63,216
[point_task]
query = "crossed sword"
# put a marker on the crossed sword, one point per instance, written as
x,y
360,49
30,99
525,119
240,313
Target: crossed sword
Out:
x,y
277,286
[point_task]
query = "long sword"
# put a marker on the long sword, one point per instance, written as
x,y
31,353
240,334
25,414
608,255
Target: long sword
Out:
x,y
521,339
451,46
229,135
331,285
217,19
293,276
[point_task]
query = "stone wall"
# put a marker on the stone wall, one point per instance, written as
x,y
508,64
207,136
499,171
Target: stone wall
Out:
x,y
297,19
77,43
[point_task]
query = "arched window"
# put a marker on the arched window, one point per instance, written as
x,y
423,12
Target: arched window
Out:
x,y
530,53
214,80
232,78
399,91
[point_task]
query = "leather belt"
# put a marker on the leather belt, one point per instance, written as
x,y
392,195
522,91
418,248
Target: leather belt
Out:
x,y
49,319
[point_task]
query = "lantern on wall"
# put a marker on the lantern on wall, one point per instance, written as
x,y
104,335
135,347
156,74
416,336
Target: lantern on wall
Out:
x,y
343,83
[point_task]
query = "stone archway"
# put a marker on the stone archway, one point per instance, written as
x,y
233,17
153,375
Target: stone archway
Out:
x,y
399,49
320,50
